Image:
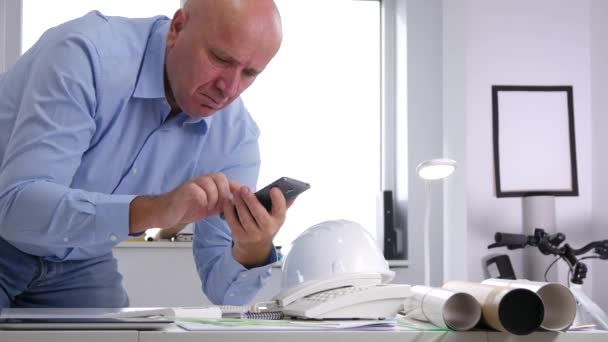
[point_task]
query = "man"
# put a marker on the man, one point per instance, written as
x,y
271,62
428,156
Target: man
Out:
x,y
110,126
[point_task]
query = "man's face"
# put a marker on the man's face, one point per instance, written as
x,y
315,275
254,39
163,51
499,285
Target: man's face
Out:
x,y
209,64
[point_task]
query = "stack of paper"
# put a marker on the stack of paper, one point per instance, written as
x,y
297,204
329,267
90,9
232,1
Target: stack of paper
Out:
x,y
175,313
250,324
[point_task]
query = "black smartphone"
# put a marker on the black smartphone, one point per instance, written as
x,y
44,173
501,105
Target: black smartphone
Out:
x,y
289,186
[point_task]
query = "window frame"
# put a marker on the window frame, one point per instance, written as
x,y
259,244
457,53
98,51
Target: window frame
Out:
x,y
394,117
394,131
10,32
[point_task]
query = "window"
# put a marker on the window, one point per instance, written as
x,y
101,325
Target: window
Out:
x,y
38,16
318,107
318,104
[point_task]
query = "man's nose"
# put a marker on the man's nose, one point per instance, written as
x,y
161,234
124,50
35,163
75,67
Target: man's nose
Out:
x,y
228,83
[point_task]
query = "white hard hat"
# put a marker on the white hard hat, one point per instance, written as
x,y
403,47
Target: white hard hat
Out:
x,y
333,248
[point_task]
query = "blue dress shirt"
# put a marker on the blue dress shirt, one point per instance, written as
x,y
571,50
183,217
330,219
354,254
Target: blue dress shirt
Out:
x,y
84,129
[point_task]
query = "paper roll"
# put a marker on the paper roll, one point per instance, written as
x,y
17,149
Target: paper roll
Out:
x,y
152,234
559,302
444,308
515,310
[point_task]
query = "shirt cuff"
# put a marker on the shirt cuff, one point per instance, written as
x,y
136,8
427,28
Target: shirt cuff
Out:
x,y
246,282
112,217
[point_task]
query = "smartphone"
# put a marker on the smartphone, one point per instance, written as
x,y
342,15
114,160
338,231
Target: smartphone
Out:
x,y
289,186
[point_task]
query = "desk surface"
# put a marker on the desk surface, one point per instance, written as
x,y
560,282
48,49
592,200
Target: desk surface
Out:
x,y
175,334
69,336
365,336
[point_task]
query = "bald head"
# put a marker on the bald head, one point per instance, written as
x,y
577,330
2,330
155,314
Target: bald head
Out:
x,y
216,49
254,18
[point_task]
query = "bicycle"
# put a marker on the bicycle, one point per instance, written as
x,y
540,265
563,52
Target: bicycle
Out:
x,y
549,244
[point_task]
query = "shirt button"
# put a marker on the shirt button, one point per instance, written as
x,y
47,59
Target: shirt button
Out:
x,y
65,239
243,275
231,294
134,170
113,237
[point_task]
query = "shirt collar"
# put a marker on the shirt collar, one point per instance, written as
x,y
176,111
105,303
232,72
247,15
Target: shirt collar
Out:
x,y
151,81
202,123
196,120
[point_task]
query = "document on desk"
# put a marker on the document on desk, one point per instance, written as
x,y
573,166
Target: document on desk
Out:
x,y
102,318
410,324
26,313
135,312
255,324
78,319
202,312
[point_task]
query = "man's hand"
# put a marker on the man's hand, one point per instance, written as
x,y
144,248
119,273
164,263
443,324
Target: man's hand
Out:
x,y
253,228
192,201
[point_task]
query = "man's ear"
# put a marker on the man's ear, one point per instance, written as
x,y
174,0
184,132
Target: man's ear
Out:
x,y
177,25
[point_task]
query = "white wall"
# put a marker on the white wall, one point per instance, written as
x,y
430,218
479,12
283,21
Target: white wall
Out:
x,y
599,110
157,276
453,61
425,135
541,42
166,276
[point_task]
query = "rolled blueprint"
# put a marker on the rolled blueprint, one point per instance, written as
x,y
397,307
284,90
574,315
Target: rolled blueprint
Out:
x,y
444,308
514,310
559,302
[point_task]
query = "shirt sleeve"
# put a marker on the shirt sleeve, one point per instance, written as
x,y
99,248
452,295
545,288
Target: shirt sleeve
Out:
x,y
54,126
225,281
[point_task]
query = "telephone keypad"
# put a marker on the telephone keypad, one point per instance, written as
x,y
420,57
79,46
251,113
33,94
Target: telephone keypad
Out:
x,y
328,295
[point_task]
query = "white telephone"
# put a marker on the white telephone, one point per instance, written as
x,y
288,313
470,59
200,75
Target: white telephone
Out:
x,y
344,296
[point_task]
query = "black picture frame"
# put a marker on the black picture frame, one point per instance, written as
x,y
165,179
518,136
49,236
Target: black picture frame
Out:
x,y
535,157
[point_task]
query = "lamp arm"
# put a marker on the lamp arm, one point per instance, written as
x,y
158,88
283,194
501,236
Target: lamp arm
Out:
x,y
427,249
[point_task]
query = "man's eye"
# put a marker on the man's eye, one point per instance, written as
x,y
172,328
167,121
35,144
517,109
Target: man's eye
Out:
x,y
221,60
250,73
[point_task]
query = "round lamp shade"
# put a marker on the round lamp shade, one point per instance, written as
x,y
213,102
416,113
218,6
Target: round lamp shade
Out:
x,y
436,168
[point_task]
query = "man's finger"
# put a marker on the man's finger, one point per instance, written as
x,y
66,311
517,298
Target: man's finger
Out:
x,y
291,201
198,194
223,186
234,186
279,206
238,232
243,209
210,189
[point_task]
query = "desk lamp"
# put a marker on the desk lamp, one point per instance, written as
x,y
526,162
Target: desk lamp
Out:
x,y
431,170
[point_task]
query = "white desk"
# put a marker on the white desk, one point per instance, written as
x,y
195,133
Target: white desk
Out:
x,y
69,336
310,336
176,334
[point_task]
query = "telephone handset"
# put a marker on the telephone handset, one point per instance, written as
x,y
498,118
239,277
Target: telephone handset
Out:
x,y
288,296
344,296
